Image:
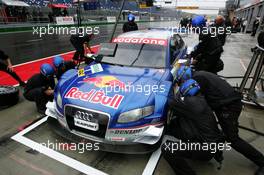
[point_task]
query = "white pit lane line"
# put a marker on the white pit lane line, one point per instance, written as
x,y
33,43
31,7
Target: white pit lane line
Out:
x,y
152,163
19,137
155,157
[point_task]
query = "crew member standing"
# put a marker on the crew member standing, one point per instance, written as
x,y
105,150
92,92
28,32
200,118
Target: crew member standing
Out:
x,y
6,66
220,26
130,25
208,52
255,26
226,102
40,87
81,45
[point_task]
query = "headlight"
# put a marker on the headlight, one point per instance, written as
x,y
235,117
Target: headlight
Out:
x,y
135,114
59,100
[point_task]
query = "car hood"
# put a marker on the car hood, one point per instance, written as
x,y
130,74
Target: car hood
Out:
x,y
114,90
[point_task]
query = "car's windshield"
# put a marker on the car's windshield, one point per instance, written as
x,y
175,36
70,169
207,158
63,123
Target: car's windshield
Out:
x,y
138,55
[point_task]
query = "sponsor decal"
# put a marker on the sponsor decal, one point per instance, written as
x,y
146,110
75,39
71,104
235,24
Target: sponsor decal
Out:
x,y
95,68
118,139
131,131
94,96
81,73
105,81
154,41
86,124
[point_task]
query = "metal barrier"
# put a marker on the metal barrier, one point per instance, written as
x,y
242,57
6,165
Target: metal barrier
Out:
x,y
6,20
249,95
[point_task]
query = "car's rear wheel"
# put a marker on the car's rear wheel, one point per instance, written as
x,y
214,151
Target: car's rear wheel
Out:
x,y
9,96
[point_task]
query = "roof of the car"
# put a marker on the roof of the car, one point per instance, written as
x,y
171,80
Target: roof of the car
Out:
x,y
154,34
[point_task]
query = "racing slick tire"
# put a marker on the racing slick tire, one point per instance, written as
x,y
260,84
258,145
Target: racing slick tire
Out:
x,y
9,96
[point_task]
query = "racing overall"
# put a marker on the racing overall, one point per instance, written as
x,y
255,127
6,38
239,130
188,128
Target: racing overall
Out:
x,y
194,123
4,68
208,53
35,88
130,26
220,36
67,65
226,103
78,41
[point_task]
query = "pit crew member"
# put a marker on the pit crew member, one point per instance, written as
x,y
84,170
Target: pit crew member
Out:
x,y
208,52
130,25
6,66
226,103
40,87
196,125
81,45
62,66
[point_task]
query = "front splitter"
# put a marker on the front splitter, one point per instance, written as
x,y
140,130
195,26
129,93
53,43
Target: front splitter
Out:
x,y
121,149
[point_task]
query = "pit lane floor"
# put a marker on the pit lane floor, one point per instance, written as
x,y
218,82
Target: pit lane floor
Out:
x,y
16,159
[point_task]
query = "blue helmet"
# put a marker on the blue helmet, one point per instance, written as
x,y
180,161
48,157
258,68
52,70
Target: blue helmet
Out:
x,y
199,21
189,88
58,61
131,17
183,73
46,70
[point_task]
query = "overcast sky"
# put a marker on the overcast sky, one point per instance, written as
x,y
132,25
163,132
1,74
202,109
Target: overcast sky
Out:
x,y
210,7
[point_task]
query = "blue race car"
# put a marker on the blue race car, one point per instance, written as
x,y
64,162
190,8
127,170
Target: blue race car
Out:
x,y
120,100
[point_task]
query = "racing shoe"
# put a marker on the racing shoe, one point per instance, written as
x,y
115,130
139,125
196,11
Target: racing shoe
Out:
x,y
41,111
260,171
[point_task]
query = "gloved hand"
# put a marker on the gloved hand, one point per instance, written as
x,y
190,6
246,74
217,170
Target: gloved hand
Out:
x,y
194,61
188,56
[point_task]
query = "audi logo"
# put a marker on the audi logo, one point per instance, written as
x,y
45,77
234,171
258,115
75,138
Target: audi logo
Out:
x,y
83,115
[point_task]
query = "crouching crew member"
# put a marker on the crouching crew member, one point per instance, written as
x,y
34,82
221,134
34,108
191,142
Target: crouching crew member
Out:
x,y
226,102
130,25
62,66
195,125
40,87
6,66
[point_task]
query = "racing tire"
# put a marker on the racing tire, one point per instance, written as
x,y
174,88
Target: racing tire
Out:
x,y
9,96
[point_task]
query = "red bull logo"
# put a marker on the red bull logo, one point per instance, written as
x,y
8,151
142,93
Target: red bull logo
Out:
x,y
105,81
97,97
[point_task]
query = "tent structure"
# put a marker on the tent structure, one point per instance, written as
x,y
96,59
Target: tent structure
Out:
x,y
58,6
14,3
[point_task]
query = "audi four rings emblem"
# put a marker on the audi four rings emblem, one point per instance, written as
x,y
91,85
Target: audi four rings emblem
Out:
x,y
83,116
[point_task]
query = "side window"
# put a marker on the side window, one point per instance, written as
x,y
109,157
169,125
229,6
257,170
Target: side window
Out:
x,y
179,41
176,44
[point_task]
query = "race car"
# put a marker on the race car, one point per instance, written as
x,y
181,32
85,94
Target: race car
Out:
x,y
120,100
